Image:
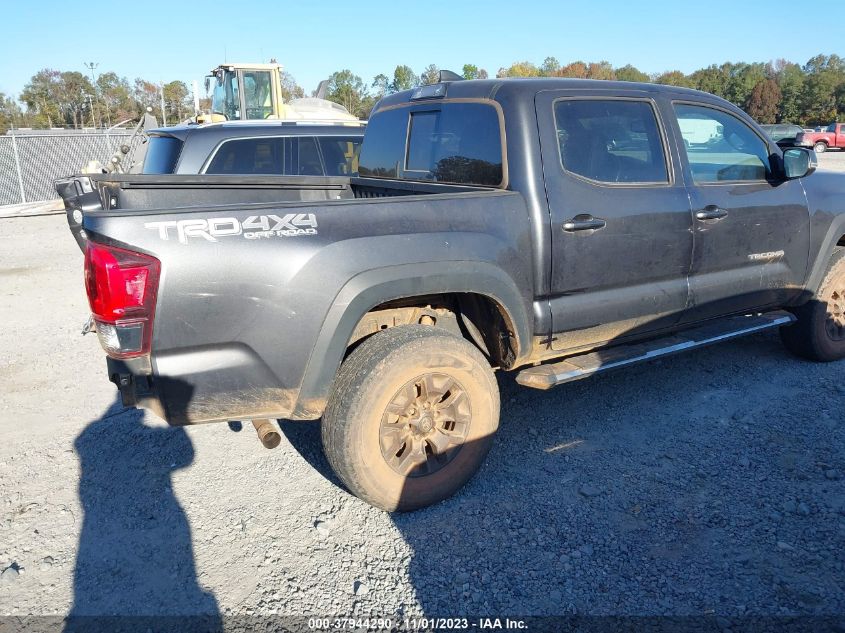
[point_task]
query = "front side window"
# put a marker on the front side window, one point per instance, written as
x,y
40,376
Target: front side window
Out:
x,y
458,143
720,147
610,141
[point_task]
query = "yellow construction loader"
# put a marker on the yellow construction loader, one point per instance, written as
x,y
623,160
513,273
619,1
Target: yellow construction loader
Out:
x,y
254,91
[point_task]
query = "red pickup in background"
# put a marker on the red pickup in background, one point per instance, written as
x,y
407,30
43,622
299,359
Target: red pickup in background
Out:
x,y
832,138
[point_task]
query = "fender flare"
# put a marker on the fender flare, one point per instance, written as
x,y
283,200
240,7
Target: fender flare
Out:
x,y
819,267
371,288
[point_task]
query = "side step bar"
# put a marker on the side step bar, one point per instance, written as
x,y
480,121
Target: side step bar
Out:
x,y
585,365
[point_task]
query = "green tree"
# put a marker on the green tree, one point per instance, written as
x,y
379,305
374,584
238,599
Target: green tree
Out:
x,y
470,71
290,89
549,67
840,102
76,96
176,101
404,79
673,78
713,79
381,84
10,113
763,101
347,89
41,95
630,73
825,76
743,78
113,94
519,69
430,75
790,80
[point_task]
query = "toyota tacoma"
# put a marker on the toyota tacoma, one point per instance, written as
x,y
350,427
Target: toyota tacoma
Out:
x,y
551,228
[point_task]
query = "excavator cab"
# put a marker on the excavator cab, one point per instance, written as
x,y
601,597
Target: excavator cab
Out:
x,y
240,91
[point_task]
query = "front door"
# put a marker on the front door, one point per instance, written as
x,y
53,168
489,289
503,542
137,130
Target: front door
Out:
x,y
620,217
752,227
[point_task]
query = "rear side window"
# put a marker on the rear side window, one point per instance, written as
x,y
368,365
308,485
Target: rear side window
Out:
x,y
611,141
264,155
340,154
269,155
162,155
459,143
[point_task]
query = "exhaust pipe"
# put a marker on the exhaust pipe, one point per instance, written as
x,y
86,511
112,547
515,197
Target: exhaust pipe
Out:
x,y
267,433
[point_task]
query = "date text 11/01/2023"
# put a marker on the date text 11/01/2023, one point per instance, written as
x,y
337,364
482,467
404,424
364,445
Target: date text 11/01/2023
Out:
x,y
416,624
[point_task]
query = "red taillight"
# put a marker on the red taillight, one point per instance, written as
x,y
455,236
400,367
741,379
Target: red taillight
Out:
x,y
122,287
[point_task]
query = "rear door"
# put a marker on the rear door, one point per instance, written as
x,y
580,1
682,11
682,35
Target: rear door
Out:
x,y
751,227
620,216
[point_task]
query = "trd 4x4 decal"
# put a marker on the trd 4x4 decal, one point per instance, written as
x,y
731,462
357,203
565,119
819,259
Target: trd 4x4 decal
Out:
x,y
253,228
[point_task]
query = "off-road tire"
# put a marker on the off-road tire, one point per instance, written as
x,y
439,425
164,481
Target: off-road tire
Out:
x,y
378,372
810,337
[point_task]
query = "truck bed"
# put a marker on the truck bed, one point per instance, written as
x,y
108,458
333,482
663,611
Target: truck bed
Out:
x,y
253,270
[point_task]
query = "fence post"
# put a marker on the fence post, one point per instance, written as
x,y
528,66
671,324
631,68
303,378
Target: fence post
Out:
x,y
18,166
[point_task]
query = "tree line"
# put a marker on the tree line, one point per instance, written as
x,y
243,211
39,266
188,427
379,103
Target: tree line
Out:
x,y
54,98
780,91
773,92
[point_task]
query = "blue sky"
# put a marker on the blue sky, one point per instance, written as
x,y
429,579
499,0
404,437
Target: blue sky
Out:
x,y
183,40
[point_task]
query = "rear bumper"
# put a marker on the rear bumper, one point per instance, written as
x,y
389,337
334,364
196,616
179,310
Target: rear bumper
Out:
x,y
197,400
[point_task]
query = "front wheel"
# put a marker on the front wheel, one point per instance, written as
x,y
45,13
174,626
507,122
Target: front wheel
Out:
x,y
411,417
820,148
819,333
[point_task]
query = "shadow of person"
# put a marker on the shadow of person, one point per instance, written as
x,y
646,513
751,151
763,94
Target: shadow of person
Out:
x,y
135,556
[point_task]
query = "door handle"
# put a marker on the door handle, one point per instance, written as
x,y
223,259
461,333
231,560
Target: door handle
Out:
x,y
584,223
711,213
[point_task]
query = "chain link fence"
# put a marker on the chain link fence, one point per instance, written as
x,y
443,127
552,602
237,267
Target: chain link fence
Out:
x,y
30,161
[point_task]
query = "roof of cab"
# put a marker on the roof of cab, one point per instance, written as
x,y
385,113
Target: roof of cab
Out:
x,y
499,89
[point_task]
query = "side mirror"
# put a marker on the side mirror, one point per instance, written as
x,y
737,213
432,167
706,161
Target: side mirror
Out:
x,y
799,162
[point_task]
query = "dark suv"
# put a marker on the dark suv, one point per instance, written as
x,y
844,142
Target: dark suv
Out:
x,y
783,133
286,148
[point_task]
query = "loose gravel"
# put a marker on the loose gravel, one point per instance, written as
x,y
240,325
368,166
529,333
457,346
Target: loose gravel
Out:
x,y
709,483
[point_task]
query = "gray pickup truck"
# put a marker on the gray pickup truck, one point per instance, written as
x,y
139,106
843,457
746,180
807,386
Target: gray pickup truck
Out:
x,y
554,228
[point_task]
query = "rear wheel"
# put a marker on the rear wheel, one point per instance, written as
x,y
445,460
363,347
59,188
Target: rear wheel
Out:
x,y
411,417
819,333
820,148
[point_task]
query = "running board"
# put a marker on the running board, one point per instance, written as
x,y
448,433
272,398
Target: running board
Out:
x,y
585,365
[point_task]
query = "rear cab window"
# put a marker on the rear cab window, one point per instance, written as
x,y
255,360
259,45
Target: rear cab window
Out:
x,y
449,142
162,155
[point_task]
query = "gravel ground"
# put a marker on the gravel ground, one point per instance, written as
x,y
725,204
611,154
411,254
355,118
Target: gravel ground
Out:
x,y
709,483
